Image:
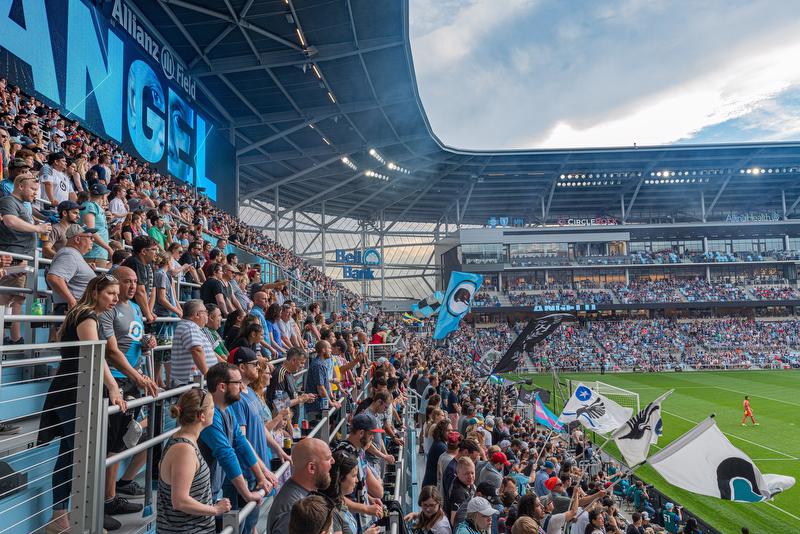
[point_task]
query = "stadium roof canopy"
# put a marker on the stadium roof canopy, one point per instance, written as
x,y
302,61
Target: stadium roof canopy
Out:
x,y
306,83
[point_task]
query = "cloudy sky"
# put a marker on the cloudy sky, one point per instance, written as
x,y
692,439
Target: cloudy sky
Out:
x,y
510,74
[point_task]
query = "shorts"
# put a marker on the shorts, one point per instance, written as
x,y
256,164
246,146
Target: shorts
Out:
x,y
118,422
15,280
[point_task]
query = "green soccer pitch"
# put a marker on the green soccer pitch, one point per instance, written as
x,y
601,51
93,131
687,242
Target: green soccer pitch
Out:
x,y
774,445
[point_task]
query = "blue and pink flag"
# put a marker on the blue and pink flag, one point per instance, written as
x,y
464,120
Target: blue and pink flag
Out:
x,y
544,416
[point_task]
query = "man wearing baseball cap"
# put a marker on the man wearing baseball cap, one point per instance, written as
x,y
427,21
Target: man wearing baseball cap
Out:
x,y
364,502
493,472
542,476
69,273
68,213
15,168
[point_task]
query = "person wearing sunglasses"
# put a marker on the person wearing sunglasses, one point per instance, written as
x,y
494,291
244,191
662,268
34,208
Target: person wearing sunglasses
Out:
x,y
226,448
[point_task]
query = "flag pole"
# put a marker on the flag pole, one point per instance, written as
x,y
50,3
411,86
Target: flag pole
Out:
x,y
610,489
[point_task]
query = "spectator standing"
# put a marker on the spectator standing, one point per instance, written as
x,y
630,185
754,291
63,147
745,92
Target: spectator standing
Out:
x,y
317,381
431,517
212,290
211,330
123,329
462,490
191,349
141,261
69,274
184,483
227,451
56,185
311,467
159,231
283,380
68,213
58,414
364,499
94,216
438,447
18,236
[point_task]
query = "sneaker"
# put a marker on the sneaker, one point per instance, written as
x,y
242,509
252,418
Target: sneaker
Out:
x,y
744,424
756,424
109,523
7,430
119,506
131,488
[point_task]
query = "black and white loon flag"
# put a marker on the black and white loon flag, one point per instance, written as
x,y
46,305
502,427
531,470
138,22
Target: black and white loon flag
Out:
x,y
536,331
594,411
704,461
642,430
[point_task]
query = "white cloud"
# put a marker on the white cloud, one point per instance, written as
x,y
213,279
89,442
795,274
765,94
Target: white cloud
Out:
x,y
527,75
736,90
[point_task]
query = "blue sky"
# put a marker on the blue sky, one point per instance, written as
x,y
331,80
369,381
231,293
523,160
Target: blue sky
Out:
x,y
511,74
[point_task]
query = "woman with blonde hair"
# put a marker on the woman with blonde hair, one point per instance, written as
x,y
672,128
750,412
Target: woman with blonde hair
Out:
x,y
58,414
184,481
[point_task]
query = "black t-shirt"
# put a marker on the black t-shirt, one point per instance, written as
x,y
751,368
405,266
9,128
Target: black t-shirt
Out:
x,y
187,258
210,289
459,496
144,272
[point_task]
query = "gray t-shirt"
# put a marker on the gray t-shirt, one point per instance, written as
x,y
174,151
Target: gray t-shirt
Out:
x,y
12,240
69,265
162,280
125,323
290,493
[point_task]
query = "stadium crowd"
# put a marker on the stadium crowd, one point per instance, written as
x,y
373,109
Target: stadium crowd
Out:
x,y
652,291
655,344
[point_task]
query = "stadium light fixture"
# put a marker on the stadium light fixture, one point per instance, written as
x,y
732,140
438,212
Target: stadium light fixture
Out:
x,y
333,98
326,140
300,36
374,153
348,162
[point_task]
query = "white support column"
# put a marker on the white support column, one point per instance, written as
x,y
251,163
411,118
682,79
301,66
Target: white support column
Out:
x,y
703,206
276,214
783,204
383,260
324,253
705,244
708,273
785,241
236,174
294,232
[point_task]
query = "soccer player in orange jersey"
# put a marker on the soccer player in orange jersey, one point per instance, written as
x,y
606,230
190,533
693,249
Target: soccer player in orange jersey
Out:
x,y
748,412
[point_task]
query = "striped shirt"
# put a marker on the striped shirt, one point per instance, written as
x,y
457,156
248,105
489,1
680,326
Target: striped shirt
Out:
x,y
168,519
187,336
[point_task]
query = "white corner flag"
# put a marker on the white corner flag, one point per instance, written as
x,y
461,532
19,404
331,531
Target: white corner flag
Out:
x,y
634,438
704,461
594,411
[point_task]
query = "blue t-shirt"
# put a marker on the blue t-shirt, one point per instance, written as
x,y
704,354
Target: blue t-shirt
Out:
x,y
248,413
274,333
101,224
317,376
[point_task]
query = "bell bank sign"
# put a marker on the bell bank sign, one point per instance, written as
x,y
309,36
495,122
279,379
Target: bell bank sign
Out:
x,y
363,259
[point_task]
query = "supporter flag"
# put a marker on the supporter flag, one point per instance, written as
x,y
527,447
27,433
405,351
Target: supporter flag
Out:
x,y
642,430
410,319
704,461
594,411
525,396
427,306
534,332
457,301
544,416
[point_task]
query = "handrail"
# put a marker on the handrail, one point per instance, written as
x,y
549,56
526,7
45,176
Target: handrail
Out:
x,y
166,394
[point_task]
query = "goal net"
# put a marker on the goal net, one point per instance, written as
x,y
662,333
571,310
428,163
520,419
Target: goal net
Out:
x,y
623,397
